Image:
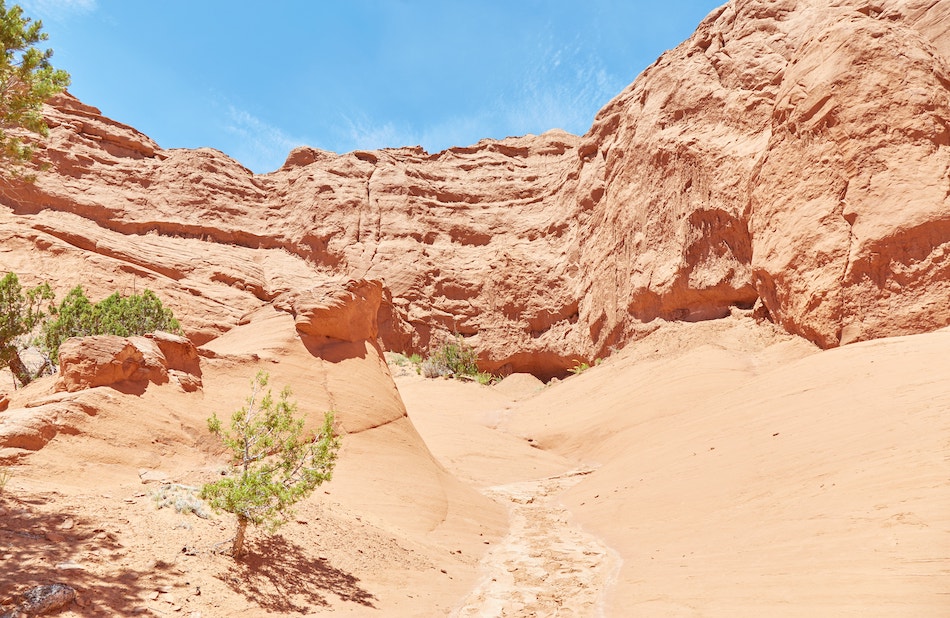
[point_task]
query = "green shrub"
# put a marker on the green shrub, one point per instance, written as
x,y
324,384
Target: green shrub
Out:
x,y
124,316
20,312
484,378
581,367
274,466
453,358
399,360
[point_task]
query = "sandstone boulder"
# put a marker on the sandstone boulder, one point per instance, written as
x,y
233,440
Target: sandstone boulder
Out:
x,y
108,360
28,429
103,360
346,311
179,352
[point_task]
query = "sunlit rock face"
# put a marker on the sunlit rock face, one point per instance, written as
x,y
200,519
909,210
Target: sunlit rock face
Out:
x,y
792,154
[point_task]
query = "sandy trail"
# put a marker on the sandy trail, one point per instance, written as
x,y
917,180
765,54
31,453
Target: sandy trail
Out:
x,y
546,565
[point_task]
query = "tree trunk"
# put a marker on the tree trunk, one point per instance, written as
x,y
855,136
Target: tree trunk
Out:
x,y
237,548
17,367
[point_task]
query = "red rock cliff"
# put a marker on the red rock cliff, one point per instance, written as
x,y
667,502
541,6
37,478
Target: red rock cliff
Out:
x,y
791,153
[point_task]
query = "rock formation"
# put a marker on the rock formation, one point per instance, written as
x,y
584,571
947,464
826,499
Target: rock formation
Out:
x,y
791,153
108,360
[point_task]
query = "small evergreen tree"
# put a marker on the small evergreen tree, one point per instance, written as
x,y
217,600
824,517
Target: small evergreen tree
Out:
x,y
275,466
27,80
20,312
72,318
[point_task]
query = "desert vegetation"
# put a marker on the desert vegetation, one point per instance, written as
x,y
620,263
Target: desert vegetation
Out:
x,y
182,498
27,80
454,359
118,315
274,465
721,462
21,311
582,366
30,318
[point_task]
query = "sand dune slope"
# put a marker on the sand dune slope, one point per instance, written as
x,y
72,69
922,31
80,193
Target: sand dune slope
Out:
x,y
393,534
770,482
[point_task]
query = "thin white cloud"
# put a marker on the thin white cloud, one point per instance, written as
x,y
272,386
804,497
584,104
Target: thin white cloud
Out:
x,y
260,146
361,133
364,134
564,90
58,10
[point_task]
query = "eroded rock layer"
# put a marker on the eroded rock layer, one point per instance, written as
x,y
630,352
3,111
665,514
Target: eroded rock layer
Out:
x,y
793,153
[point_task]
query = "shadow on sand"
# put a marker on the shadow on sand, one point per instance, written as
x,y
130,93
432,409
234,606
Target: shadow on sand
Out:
x,y
38,548
279,577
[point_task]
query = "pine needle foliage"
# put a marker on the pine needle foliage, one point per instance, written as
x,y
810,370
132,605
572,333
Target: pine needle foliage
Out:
x,y
20,312
27,80
124,316
274,464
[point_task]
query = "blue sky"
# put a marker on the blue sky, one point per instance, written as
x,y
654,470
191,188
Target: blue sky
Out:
x,y
255,79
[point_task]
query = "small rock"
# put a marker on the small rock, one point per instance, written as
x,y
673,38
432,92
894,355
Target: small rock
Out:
x,y
69,565
54,537
153,476
67,525
46,599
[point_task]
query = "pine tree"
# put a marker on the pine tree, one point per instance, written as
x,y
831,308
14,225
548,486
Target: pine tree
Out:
x,y
274,465
27,80
20,312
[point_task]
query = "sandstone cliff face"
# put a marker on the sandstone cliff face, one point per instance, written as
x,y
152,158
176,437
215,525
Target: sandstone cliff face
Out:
x,y
465,240
792,153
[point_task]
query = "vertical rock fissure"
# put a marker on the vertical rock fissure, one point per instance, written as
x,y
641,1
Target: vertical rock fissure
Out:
x,y
376,229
